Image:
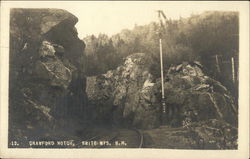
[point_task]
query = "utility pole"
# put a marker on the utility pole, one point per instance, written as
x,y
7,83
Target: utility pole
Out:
x,y
161,62
217,62
162,81
233,74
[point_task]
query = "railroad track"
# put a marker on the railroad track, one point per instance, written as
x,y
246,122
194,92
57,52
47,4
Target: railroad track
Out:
x,y
141,137
130,138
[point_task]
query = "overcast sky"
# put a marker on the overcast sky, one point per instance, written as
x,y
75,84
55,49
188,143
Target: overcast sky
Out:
x,y
111,17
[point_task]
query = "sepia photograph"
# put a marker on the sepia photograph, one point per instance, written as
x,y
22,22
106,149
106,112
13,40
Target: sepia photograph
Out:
x,y
124,76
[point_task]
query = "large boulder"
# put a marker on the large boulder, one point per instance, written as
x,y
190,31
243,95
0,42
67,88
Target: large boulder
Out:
x,y
131,95
192,96
125,95
47,76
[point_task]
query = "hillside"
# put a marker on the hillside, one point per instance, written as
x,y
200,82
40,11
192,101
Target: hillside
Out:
x,y
197,38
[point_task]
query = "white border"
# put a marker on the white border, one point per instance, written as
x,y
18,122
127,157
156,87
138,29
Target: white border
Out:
x,y
243,149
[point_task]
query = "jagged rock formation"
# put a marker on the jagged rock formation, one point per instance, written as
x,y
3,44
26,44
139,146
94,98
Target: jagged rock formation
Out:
x,y
125,95
47,76
47,89
201,108
192,96
131,94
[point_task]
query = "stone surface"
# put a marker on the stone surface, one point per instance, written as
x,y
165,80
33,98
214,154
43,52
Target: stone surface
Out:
x,y
125,95
47,89
130,95
47,76
201,113
192,96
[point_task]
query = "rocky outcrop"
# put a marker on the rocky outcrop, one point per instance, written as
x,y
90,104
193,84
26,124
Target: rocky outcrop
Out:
x,y
47,76
192,96
125,95
131,95
201,113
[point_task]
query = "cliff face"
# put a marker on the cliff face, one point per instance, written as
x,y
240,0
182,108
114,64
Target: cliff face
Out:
x,y
201,113
131,95
47,89
193,96
47,76
125,95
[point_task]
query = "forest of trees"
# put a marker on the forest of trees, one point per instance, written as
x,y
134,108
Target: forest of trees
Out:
x,y
199,37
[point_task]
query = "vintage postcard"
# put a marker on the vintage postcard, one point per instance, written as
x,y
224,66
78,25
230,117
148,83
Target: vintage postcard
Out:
x,y
124,79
